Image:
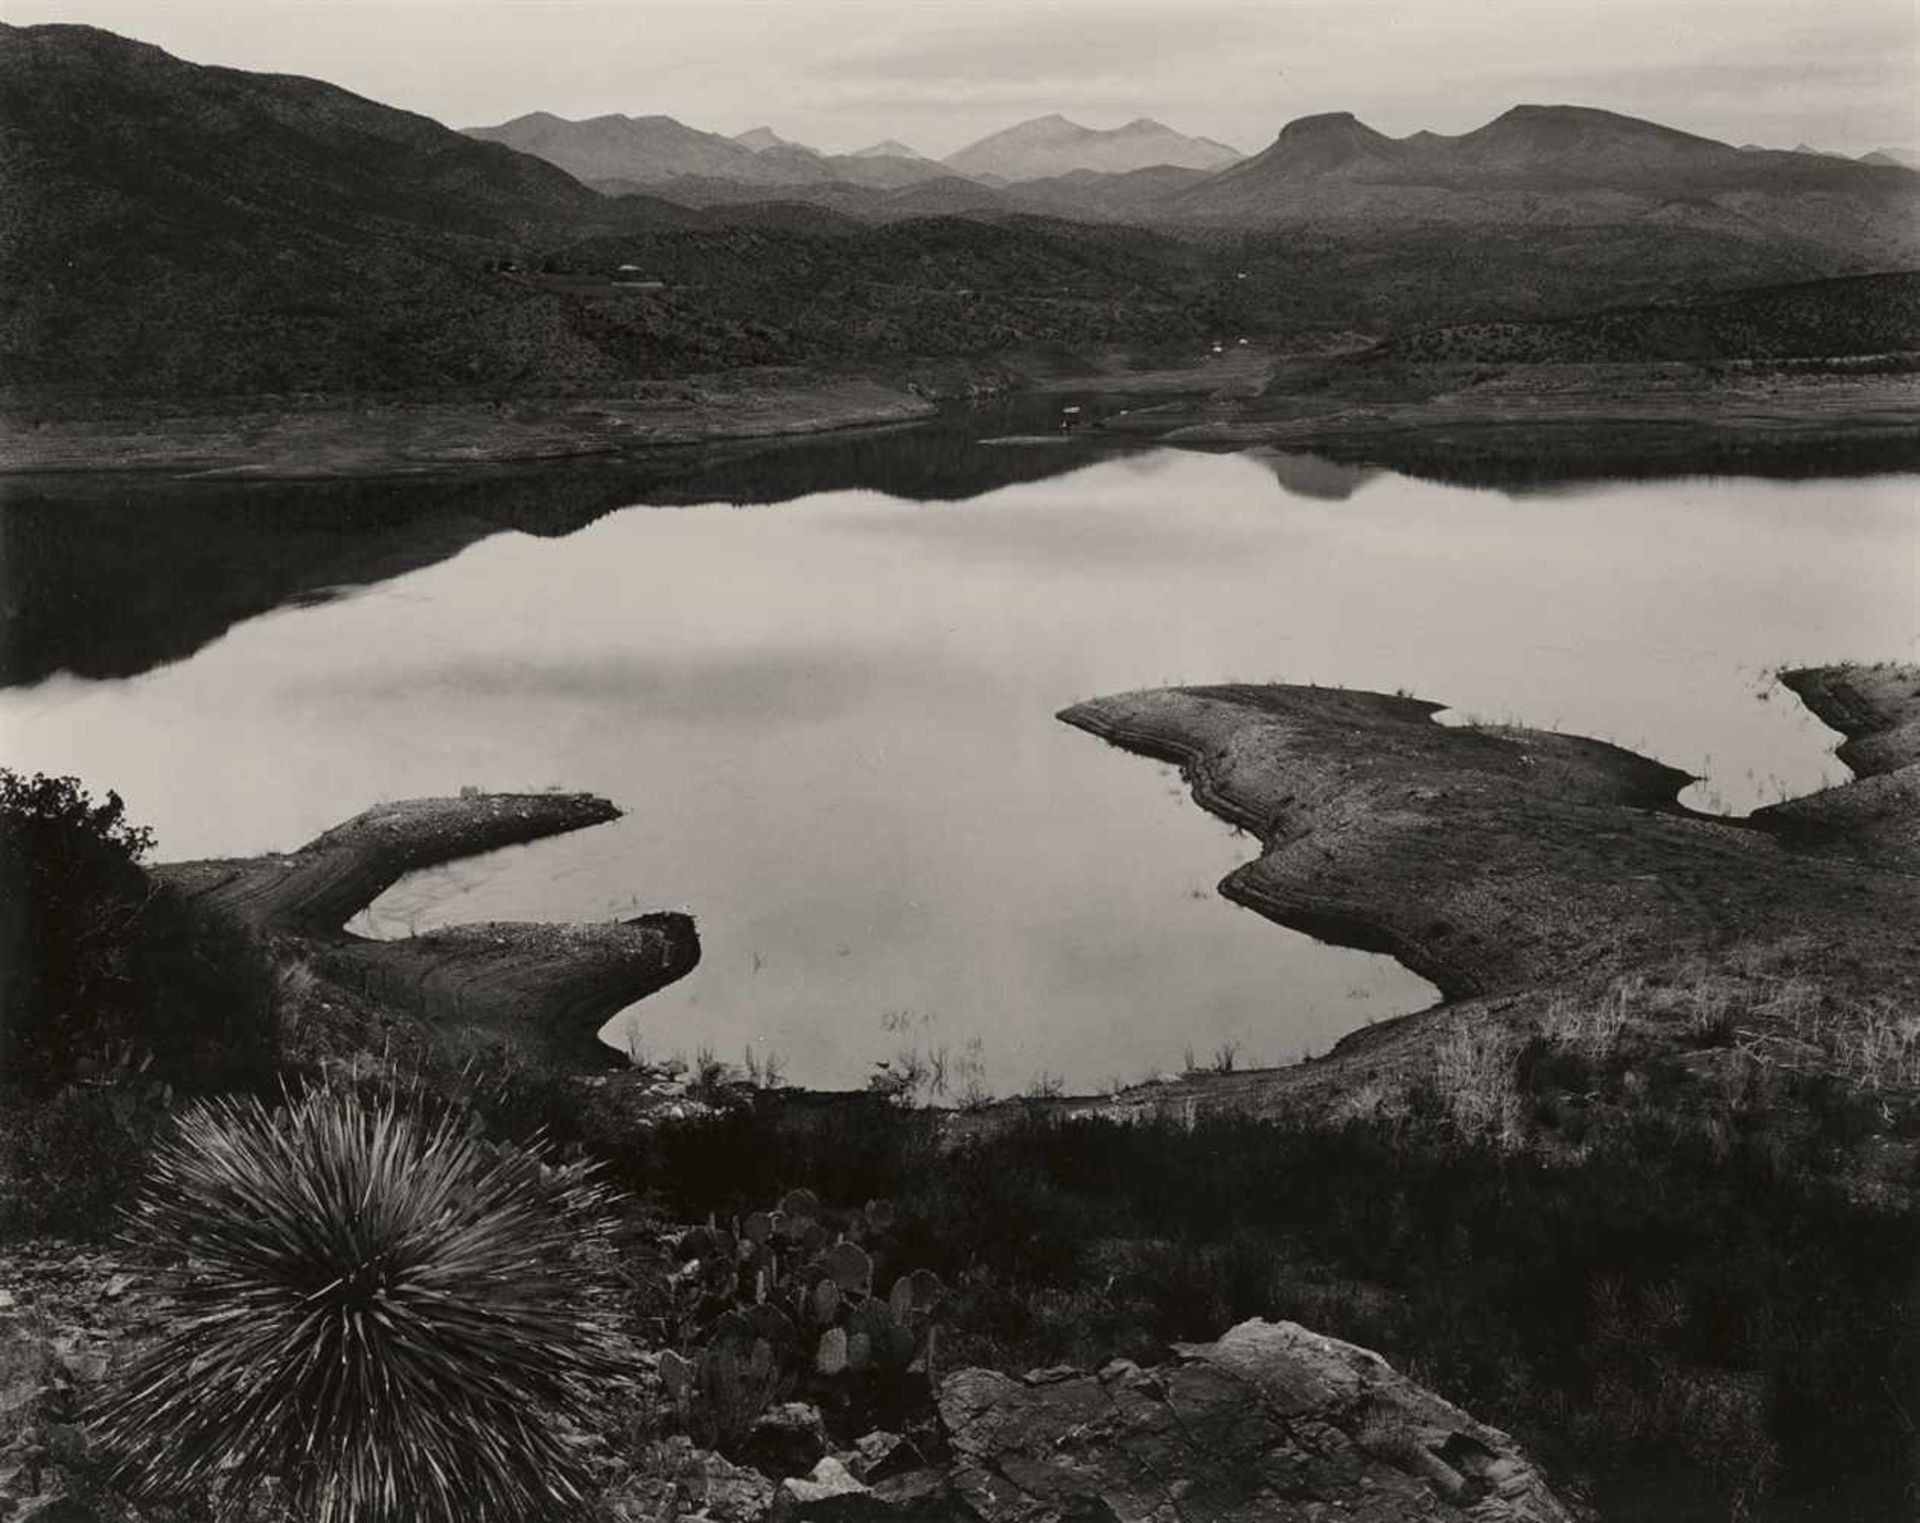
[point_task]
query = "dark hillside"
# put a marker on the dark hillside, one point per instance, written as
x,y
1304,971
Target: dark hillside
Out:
x,y
199,234
172,226
926,286
107,139
174,229
1374,282
1853,316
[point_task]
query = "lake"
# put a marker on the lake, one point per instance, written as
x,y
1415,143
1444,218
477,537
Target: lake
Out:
x,y
830,717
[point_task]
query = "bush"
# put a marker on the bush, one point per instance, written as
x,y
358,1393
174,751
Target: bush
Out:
x,y
72,892
101,967
65,1162
378,1320
1688,1299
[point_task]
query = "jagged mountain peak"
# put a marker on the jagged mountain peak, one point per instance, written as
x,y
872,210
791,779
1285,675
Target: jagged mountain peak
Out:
x,y
889,148
1048,146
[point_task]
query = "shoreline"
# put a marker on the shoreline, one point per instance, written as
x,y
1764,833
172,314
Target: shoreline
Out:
x,y
544,988
1528,873
1628,416
337,439
1635,409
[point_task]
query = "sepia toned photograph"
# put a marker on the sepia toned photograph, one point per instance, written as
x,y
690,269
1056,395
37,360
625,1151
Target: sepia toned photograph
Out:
x,y
959,761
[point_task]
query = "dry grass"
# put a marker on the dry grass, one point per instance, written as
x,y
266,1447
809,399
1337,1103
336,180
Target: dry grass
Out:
x,y
1774,1013
1475,1075
1591,1029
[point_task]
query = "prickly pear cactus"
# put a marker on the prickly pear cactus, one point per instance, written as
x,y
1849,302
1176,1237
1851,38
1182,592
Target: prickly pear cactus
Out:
x,y
788,1302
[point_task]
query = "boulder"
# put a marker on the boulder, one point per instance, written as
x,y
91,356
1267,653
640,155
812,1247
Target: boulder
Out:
x,y
788,1439
831,1491
880,1454
1270,1423
834,1494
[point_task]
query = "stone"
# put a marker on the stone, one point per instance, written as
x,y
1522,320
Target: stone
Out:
x,y
788,1439
1269,1424
879,1454
830,1492
676,1479
920,1496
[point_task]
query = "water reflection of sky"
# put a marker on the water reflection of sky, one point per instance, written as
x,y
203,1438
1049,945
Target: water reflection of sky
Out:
x,y
831,723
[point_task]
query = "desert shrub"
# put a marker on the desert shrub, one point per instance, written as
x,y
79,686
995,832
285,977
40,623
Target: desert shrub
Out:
x,y
73,890
378,1320
1687,1300
66,1162
99,963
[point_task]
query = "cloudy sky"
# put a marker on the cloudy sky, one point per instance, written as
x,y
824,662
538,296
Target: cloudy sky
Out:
x,y
1840,74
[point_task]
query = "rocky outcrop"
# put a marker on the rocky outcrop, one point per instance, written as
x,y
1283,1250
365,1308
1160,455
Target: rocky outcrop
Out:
x,y
1512,866
1877,816
1271,1423
316,890
545,989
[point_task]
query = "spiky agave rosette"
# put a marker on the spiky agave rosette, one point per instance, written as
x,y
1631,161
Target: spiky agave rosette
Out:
x,y
378,1315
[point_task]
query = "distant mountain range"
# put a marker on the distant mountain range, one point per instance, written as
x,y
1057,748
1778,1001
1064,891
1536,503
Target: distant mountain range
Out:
x,y
168,229
1533,166
1560,166
657,150
654,150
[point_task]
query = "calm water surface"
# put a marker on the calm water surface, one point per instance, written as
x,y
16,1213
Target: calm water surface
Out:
x,y
831,723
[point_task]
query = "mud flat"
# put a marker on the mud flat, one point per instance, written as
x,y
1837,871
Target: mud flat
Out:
x,y
1648,402
1521,871
543,989
313,438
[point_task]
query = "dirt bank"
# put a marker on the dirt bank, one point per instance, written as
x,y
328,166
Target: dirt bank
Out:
x,y
1660,405
312,438
1526,872
545,989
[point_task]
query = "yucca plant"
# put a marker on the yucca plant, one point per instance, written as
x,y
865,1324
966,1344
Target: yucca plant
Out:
x,y
376,1317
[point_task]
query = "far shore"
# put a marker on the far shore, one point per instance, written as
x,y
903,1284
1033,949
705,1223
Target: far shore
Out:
x,y
1344,406
308,438
1639,400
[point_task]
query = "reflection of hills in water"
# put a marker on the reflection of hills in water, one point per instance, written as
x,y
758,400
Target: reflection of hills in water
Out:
x,y
112,576
1530,459
1313,476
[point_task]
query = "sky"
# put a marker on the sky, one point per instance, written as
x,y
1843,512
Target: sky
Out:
x,y
839,74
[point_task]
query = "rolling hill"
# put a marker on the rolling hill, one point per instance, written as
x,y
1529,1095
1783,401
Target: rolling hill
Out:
x,y
167,226
1565,166
172,230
